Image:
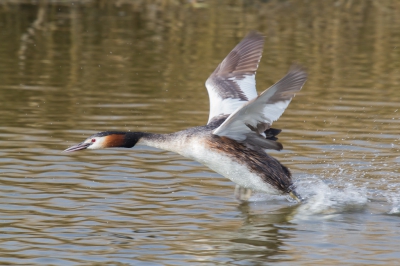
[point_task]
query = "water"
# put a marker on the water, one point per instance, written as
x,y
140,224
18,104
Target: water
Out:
x,y
70,69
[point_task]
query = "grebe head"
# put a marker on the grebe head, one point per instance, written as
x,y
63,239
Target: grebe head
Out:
x,y
108,139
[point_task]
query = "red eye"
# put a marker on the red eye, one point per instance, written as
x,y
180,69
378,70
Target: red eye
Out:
x,y
93,140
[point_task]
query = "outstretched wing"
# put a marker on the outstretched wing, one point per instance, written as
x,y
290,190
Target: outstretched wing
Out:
x,y
233,82
248,123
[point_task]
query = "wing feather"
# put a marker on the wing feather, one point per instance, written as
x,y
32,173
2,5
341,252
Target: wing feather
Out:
x,y
261,112
233,82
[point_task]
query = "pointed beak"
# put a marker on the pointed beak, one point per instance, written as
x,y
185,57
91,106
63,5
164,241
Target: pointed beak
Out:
x,y
78,147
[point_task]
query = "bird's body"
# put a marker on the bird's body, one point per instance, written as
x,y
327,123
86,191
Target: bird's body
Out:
x,y
248,168
238,132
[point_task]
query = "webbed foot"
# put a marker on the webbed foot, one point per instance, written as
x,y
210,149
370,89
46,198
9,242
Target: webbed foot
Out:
x,y
242,194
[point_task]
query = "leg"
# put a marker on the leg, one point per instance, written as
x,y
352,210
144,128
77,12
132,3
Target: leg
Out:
x,y
242,194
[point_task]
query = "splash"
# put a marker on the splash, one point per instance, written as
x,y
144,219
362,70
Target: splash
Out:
x,y
323,198
337,191
394,199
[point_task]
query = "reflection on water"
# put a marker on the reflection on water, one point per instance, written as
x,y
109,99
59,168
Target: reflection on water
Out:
x,y
70,69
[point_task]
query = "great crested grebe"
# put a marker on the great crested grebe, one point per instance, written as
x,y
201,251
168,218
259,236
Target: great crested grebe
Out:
x,y
238,131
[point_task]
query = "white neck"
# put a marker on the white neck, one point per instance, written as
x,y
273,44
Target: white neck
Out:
x,y
169,142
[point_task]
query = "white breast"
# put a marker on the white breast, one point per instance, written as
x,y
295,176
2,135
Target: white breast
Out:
x,y
225,165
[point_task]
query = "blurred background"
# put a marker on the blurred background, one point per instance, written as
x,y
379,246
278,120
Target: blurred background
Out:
x,y
69,69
